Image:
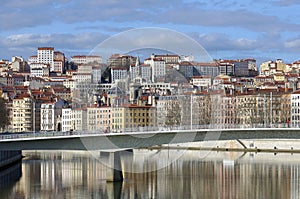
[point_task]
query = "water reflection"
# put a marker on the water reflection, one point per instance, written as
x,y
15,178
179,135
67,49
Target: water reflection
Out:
x,y
8,178
220,175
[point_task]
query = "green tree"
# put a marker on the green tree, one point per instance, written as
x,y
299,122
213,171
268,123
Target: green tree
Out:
x,y
4,119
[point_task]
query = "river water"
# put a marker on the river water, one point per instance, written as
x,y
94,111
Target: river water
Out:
x,y
154,174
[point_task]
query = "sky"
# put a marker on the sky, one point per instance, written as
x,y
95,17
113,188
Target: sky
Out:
x,y
231,29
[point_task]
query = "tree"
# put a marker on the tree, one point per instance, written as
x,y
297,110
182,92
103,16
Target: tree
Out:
x,y
4,117
173,117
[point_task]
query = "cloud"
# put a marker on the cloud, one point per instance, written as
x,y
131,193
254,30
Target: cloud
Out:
x,y
223,42
26,44
152,38
263,47
19,14
287,2
32,13
293,44
216,18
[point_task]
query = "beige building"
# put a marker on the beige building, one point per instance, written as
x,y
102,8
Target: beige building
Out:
x,y
246,109
223,110
79,119
22,114
99,118
117,60
131,117
86,59
263,109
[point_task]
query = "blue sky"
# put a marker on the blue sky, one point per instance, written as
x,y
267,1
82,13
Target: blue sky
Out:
x,y
229,29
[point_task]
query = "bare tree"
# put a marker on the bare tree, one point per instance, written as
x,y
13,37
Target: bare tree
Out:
x,y
4,118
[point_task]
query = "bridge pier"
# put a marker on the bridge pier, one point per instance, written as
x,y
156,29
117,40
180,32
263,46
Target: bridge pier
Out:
x,y
114,190
114,167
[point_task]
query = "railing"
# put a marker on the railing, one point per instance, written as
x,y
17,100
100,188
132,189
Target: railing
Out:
x,y
5,136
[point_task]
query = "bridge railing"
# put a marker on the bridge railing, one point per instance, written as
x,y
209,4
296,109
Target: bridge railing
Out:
x,y
5,136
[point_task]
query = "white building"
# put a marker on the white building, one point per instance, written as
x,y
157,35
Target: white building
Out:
x,y
86,59
39,70
146,72
143,71
295,113
201,81
70,83
66,119
96,75
46,55
159,87
158,67
118,73
47,117
33,59
82,77
134,72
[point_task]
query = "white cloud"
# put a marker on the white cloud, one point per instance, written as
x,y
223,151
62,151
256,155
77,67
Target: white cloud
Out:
x,y
287,2
221,42
26,44
292,44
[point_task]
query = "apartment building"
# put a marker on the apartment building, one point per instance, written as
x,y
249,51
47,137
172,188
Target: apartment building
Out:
x,y
142,71
47,116
99,118
226,67
39,70
59,62
223,110
158,67
86,59
122,61
131,116
169,111
201,81
66,119
295,109
21,120
169,59
118,74
45,55
79,119
201,109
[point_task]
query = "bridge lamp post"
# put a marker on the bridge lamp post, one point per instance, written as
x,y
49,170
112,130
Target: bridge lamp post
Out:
x,y
33,125
191,111
271,109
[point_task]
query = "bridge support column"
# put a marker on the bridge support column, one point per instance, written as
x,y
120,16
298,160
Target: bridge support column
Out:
x,y
114,189
114,168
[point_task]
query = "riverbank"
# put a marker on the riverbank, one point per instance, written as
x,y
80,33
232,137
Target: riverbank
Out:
x,y
256,146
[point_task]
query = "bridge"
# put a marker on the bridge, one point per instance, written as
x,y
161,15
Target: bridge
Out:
x,y
131,140
114,142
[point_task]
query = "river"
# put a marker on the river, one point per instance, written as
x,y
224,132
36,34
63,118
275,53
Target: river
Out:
x,y
154,174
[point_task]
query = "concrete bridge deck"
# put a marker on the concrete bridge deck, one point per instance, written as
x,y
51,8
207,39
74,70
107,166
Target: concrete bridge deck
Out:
x,y
127,140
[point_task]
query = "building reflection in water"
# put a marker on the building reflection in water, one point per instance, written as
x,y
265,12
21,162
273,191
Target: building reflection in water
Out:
x,y
79,175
